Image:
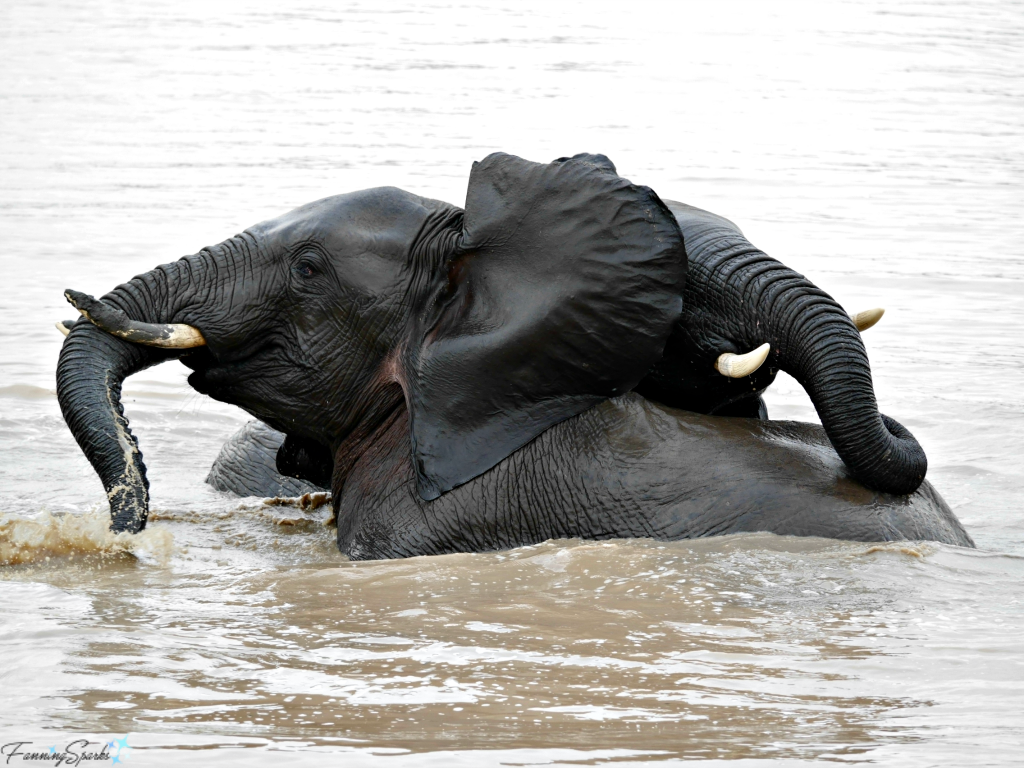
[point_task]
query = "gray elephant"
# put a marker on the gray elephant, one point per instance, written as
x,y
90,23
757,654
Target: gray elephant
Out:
x,y
486,378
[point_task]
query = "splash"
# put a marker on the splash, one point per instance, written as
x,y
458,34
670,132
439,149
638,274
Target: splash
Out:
x,y
308,502
48,535
305,501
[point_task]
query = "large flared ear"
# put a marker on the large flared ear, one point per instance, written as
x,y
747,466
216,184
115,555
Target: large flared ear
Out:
x,y
561,293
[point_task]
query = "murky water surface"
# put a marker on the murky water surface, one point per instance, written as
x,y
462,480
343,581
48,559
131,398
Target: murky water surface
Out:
x,y
874,147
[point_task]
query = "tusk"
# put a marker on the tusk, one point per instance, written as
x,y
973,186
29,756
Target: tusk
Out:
x,y
117,323
64,326
738,366
867,318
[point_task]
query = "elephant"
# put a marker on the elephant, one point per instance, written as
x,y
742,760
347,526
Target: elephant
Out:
x,y
247,466
738,298
540,364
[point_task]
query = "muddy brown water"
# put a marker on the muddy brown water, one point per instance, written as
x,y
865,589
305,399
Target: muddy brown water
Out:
x,y
875,148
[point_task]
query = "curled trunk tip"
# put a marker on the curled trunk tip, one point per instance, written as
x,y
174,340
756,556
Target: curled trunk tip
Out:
x,y
827,356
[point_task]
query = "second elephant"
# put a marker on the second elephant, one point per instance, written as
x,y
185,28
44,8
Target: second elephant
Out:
x,y
738,298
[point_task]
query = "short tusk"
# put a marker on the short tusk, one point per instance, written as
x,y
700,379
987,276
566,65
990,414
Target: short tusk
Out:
x,y
117,323
867,318
64,326
738,366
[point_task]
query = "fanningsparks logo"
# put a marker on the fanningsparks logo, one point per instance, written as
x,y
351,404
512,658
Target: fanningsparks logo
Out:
x,y
78,752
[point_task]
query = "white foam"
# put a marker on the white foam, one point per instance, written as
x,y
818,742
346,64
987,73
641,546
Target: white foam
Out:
x,y
48,535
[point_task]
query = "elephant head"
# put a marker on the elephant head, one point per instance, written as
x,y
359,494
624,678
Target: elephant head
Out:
x,y
737,299
556,288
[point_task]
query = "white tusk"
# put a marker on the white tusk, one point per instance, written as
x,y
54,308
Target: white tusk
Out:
x,y
62,328
738,366
173,336
867,318
117,323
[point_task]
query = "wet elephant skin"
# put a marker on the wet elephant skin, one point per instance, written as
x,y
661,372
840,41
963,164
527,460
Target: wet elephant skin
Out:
x,y
247,465
630,467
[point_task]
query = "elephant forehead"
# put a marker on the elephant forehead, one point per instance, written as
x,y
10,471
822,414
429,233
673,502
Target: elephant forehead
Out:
x,y
383,220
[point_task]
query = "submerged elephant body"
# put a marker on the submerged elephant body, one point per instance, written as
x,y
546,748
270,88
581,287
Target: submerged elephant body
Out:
x,y
627,468
459,378
631,468
247,466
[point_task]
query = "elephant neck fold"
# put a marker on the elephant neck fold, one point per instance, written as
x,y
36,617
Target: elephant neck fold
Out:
x,y
387,407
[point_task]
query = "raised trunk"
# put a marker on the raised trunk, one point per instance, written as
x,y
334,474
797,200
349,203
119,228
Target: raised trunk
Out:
x,y
90,370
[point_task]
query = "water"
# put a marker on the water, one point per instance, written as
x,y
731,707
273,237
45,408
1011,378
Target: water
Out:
x,y
873,147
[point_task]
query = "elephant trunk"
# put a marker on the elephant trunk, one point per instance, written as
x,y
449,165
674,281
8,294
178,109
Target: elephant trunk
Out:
x,y
92,365
822,349
742,298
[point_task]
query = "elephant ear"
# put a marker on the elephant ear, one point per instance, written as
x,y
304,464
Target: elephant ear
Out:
x,y
561,293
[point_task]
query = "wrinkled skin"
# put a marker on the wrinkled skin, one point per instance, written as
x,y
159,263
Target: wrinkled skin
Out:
x,y
247,466
441,368
628,467
737,298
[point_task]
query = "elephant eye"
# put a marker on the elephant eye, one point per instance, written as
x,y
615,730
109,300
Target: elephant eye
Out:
x,y
305,269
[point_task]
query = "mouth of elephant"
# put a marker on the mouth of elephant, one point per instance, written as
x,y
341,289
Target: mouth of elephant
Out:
x,y
259,382
219,378
712,394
